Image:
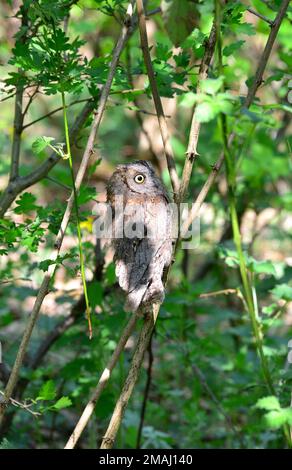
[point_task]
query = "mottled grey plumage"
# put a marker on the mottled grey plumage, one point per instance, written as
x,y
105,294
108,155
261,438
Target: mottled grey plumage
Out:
x,y
140,260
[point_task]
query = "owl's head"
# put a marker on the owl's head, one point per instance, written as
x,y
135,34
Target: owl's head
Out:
x,y
137,177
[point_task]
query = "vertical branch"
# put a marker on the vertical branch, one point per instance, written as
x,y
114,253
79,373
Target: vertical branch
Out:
x,y
17,131
104,378
146,392
143,341
196,125
157,100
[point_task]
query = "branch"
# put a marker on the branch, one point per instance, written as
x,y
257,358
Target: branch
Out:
x,y
195,126
146,392
143,341
266,54
17,131
85,100
259,15
60,236
104,378
157,100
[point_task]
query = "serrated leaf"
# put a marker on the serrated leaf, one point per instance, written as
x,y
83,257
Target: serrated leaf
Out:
x,y
229,50
47,391
63,402
25,204
40,144
180,18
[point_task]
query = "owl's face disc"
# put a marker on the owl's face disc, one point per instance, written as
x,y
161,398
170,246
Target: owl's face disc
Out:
x,y
136,178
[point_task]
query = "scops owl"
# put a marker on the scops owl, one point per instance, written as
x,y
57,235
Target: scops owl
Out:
x,y
141,236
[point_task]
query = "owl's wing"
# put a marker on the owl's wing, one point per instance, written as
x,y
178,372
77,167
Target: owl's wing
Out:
x,y
140,261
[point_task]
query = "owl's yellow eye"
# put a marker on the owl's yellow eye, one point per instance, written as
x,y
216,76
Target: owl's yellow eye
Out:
x,y
139,179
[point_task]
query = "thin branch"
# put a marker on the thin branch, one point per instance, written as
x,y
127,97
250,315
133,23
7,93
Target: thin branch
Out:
x,y
196,125
259,15
30,100
60,236
146,392
23,406
266,53
17,131
156,97
85,100
104,378
142,343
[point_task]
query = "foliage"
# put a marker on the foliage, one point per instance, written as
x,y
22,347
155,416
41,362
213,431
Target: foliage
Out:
x,y
207,385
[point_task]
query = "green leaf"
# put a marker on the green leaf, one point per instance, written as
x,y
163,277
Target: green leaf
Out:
x,y
282,291
63,402
40,144
47,391
264,267
25,204
212,85
268,403
180,18
205,112
229,50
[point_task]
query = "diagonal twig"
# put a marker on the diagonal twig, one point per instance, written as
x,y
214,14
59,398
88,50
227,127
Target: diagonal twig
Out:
x,y
156,98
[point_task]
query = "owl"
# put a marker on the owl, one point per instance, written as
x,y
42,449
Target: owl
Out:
x,y
142,234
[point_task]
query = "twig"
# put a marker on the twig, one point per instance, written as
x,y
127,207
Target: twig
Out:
x,y
266,53
60,236
143,341
156,97
23,406
30,100
104,378
85,100
196,125
259,15
17,131
146,392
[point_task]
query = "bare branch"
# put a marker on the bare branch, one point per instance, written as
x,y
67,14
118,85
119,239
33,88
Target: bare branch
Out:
x,y
104,378
17,131
143,341
196,125
85,100
266,53
259,15
156,97
146,392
